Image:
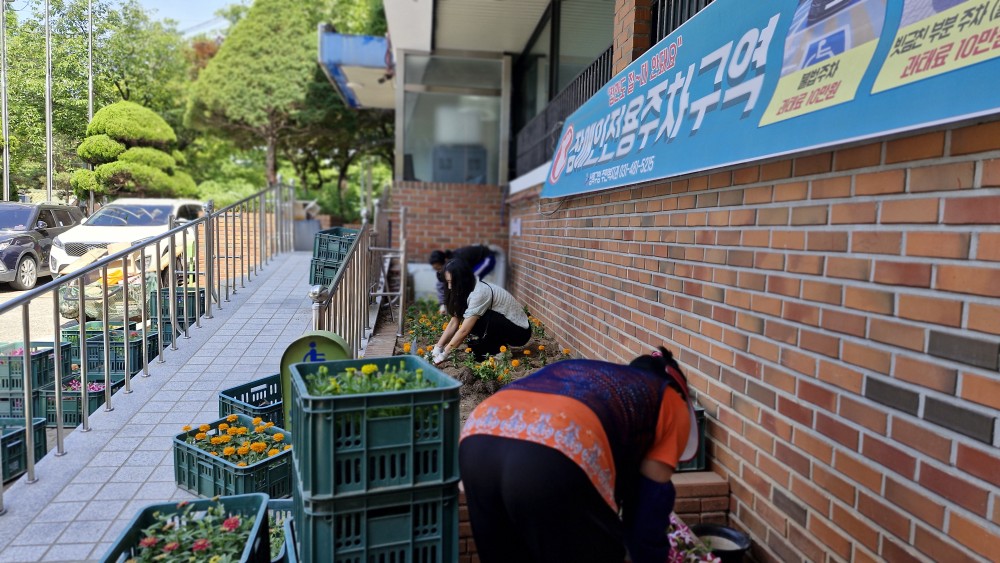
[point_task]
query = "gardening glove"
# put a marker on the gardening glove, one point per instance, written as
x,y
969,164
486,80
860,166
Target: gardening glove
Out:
x,y
439,358
442,310
437,350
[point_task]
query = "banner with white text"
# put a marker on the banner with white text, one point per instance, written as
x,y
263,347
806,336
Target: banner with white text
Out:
x,y
743,81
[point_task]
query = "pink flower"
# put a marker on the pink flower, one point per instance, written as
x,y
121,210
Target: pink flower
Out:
x,y
148,541
231,524
171,546
201,545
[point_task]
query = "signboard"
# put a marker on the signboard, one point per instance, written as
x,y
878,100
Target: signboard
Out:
x,y
315,346
743,81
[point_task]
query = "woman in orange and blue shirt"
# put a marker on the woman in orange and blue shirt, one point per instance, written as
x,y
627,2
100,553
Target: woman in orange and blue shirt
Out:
x,y
550,461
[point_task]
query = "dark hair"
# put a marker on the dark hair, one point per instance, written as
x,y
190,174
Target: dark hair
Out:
x,y
463,281
439,257
658,364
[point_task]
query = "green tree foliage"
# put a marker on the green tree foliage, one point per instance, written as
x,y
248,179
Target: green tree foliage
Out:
x,y
258,79
142,168
98,149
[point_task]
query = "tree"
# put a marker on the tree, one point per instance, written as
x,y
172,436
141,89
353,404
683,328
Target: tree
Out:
x,y
250,89
128,145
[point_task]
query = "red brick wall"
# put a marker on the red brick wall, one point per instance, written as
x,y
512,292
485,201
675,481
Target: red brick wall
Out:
x,y
448,216
838,314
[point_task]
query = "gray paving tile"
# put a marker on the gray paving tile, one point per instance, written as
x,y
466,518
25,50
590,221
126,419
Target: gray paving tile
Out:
x,y
132,474
40,533
117,527
74,492
156,490
109,458
156,443
69,552
99,550
162,473
146,458
84,530
118,490
61,511
23,554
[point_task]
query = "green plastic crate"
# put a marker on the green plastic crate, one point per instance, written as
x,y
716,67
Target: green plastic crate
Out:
x,y
698,462
418,525
201,473
72,401
192,298
43,366
291,547
261,397
356,444
70,332
333,244
279,512
15,460
257,549
12,404
323,271
117,350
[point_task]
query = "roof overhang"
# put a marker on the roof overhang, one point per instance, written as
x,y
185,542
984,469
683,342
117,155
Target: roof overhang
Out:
x,y
360,67
493,26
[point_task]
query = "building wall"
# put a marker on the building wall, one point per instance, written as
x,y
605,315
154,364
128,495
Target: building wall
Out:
x,y
448,216
838,314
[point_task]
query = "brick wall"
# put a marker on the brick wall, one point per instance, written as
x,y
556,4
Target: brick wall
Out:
x,y
838,314
449,216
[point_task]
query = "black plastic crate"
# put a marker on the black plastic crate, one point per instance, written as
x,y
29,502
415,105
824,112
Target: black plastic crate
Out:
x,y
333,244
323,272
258,398
15,460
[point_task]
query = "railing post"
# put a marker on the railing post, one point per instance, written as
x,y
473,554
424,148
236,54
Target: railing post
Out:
x,y
60,447
172,285
29,414
145,313
84,393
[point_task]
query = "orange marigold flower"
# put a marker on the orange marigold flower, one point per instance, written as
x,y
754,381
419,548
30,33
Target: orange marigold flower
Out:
x,y
215,440
187,427
278,437
243,450
268,424
213,453
232,418
420,351
468,350
288,446
228,451
541,347
515,363
273,452
257,420
406,348
444,326
260,429
503,349
200,436
241,464
204,428
223,427
527,352
232,431
258,447
566,351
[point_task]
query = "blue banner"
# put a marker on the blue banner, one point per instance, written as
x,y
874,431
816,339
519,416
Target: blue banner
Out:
x,y
743,81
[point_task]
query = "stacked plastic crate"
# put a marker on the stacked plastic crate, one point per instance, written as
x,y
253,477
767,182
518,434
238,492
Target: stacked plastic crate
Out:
x,y
42,358
189,305
329,251
376,475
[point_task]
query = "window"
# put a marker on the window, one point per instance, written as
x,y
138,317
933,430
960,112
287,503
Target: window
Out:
x,y
188,212
64,218
45,215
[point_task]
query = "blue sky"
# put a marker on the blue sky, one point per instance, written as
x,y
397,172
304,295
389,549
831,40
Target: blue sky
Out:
x,y
189,13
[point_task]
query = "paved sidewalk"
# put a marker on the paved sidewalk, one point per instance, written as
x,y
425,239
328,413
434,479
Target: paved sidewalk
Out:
x,y
84,499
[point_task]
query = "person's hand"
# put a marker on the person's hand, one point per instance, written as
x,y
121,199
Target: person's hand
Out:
x,y
439,358
437,350
442,310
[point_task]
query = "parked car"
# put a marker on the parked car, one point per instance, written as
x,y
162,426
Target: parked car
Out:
x,y
129,221
26,234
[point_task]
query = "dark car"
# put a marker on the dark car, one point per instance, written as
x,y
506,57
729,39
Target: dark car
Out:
x,y
26,233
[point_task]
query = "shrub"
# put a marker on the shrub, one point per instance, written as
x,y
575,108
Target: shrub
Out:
x,y
131,124
148,156
99,149
84,180
135,177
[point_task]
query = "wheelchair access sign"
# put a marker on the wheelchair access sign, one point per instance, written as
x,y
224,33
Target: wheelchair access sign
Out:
x,y
315,346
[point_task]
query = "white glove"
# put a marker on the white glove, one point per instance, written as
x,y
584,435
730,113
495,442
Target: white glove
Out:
x,y
437,350
442,310
439,358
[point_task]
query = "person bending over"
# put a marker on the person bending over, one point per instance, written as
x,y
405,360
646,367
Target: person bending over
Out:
x,y
550,460
485,313
479,257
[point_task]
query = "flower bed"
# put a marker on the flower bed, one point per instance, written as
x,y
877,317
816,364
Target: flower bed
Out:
x,y
230,528
234,455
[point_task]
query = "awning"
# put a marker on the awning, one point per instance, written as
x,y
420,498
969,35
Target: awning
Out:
x,y
360,67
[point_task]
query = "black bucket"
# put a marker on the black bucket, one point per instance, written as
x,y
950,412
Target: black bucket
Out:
x,y
728,544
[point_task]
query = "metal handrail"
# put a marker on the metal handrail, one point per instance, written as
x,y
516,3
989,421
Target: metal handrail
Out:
x,y
273,235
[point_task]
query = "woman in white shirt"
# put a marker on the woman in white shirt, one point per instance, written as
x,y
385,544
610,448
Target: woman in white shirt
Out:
x,y
485,312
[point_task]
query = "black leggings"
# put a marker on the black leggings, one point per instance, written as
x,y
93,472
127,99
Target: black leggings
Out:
x,y
495,330
530,503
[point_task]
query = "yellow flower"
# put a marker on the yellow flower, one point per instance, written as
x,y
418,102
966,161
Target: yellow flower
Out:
x,y
231,418
258,447
278,437
506,371
493,362
288,446
232,431
268,424
273,452
468,350
503,349
187,427
200,436
541,347
204,428
223,427
243,450
214,440
213,453
527,352
241,464
257,420
225,438
406,348
215,559
259,429
228,451
515,363
566,351
369,369
420,351
242,430
411,332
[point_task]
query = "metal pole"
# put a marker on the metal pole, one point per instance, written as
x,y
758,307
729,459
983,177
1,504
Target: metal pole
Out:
x,y
48,104
160,326
210,292
29,426
3,103
172,285
145,314
60,448
84,378
107,342
126,333
90,85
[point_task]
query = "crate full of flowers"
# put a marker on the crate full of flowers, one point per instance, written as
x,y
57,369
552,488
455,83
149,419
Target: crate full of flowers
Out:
x,y
361,426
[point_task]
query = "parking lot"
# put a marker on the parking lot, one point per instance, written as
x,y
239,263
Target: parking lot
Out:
x,y
40,312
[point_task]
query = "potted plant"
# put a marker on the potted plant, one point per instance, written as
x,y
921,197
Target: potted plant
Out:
x,y
727,543
245,456
230,528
